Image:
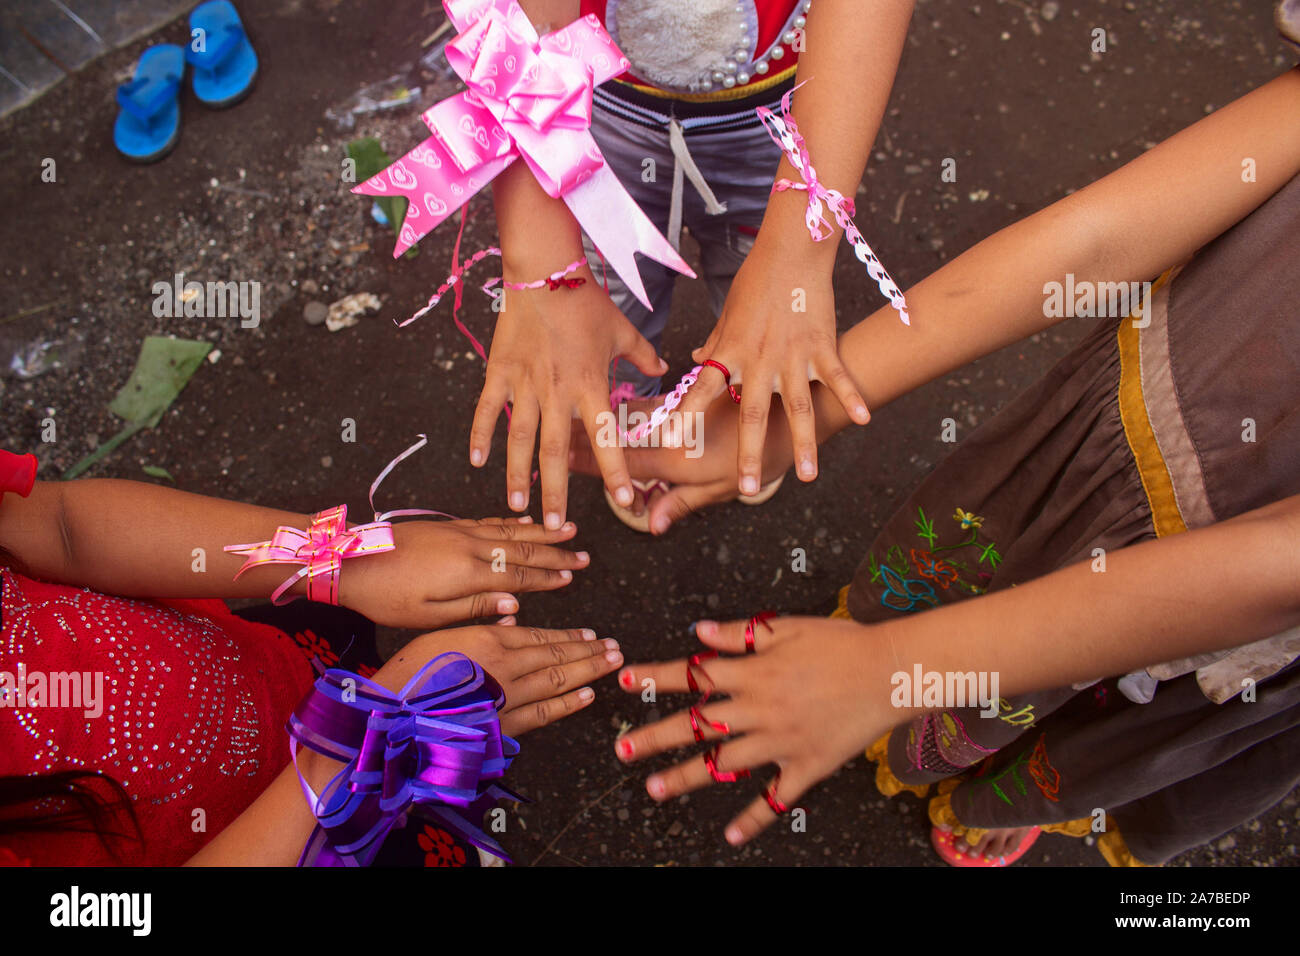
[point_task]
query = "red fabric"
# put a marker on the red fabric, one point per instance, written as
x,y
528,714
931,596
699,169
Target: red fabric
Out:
x,y
194,704
772,16
17,473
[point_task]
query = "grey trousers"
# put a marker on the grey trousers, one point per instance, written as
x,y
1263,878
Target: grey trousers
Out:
x,y
738,164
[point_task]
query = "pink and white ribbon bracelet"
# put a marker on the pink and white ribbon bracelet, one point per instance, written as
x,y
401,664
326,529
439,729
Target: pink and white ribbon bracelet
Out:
x,y
785,132
556,280
660,414
328,542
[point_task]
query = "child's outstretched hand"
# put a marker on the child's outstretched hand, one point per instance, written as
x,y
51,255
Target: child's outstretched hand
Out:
x,y
777,334
544,673
812,697
448,571
550,359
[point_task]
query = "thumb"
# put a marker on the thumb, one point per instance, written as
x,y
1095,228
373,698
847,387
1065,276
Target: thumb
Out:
x,y
683,500
637,349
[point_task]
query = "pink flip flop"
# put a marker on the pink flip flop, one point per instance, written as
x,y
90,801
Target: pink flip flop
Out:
x,y
944,844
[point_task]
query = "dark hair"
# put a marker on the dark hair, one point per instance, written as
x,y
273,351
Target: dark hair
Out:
x,y
82,807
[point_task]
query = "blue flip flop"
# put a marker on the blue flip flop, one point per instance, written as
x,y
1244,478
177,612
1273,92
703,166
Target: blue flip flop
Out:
x,y
225,65
149,123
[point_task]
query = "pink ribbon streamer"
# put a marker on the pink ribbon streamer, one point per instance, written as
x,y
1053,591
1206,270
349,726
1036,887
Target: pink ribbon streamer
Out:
x,y
785,132
674,398
529,97
328,542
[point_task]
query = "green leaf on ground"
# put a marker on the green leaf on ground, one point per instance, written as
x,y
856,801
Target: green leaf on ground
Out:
x,y
163,369
153,471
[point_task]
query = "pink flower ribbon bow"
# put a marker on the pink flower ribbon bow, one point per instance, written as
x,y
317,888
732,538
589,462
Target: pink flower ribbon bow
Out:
x,y
528,97
785,132
327,543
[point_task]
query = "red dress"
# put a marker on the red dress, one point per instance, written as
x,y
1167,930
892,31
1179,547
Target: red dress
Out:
x,y
194,701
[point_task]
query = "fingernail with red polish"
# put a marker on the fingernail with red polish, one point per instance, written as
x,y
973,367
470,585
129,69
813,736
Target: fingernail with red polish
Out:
x,y
655,787
625,748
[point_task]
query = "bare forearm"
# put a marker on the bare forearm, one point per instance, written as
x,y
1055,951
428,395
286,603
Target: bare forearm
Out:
x,y
538,233
848,64
1129,226
275,827
137,540
1188,594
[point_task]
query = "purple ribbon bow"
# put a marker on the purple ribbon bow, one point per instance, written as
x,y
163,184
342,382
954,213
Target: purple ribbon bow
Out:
x,y
437,745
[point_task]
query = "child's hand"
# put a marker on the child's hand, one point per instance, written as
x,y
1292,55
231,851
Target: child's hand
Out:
x,y
701,476
448,571
777,334
550,357
538,669
814,695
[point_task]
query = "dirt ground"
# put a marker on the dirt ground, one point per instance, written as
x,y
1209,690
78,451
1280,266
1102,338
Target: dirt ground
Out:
x,y
254,193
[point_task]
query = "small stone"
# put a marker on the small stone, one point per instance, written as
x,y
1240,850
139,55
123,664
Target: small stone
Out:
x,y
623,814
676,828
1049,10
1227,843
310,286
326,461
724,554
712,601
315,313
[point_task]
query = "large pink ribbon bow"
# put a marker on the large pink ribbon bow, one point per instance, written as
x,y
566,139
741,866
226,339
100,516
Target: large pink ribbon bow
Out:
x,y
528,97
327,543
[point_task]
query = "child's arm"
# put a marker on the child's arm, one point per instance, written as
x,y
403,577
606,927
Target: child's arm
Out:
x,y
1145,217
550,351
847,70
818,690
137,540
1149,215
543,674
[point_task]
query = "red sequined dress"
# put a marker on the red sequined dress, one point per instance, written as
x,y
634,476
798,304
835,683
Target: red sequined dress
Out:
x,y
190,719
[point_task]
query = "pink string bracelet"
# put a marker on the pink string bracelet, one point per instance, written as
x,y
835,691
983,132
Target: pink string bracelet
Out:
x,y
785,132
328,542
556,280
